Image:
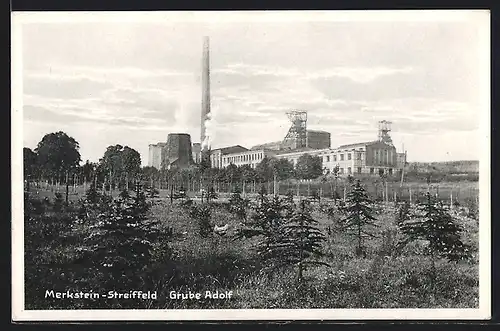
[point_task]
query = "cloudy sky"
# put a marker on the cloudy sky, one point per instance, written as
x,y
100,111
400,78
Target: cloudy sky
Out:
x,y
132,83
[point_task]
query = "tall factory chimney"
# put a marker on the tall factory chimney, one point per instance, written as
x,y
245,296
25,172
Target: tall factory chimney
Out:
x,y
205,94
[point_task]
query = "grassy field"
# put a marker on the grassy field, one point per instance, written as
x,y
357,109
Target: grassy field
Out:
x,y
385,278
458,191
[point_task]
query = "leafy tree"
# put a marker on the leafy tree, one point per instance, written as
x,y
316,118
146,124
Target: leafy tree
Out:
x,y
264,170
89,170
30,166
112,163
302,240
282,168
358,215
57,154
309,167
119,162
248,174
131,161
232,174
148,172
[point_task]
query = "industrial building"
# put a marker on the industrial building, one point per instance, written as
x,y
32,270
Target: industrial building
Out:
x,y
155,155
315,139
372,157
176,152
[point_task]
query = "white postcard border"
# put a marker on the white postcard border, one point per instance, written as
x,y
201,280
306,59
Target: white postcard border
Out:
x,y
20,314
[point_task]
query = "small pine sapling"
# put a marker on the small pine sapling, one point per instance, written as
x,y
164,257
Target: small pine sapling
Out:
x,y
359,219
431,222
238,206
203,215
266,222
121,240
301,241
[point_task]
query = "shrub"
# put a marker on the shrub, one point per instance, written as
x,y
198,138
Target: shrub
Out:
x,y
202,214
238,206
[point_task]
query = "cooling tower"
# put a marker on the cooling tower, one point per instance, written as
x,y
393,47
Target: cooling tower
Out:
x,y
178,151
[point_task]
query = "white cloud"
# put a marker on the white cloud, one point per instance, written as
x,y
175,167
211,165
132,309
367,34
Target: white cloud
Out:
x,y
141,82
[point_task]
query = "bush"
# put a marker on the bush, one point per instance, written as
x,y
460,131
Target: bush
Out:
x,y
202,214
238,206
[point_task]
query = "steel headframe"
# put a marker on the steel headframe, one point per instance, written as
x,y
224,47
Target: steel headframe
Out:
x,y
297,133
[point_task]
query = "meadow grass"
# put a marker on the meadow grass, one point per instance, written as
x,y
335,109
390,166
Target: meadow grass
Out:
x,y
385,278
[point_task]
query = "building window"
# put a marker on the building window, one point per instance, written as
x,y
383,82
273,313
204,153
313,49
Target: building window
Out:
x,y
390,171
341,157
372,170
358,156
348,156
341,170
328,158
335,158
349,170
359,170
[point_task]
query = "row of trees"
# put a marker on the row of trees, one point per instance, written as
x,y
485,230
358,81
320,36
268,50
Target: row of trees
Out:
x,y
57,159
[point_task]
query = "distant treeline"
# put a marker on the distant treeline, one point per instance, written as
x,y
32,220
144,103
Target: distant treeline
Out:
x,y
449,167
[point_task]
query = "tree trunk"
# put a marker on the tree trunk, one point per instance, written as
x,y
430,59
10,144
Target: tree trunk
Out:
x,y
386,193
359,252
172,194
67,186
335,192
274,185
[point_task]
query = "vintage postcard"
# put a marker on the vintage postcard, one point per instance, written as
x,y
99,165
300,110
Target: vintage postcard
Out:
x,y
273,165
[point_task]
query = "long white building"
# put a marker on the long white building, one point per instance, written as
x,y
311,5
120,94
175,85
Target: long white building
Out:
x,y
370,157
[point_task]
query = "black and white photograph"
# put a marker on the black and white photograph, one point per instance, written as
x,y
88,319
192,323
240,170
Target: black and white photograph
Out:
x,y
259,165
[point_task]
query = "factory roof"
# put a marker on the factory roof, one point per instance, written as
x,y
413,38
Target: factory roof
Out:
x,y
231,149
265,145
318,131
296,150
358,144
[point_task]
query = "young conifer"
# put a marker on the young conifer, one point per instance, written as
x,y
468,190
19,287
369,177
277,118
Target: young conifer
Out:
x,y
431,222
266,222
359,219
121,240
238,206
301,240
